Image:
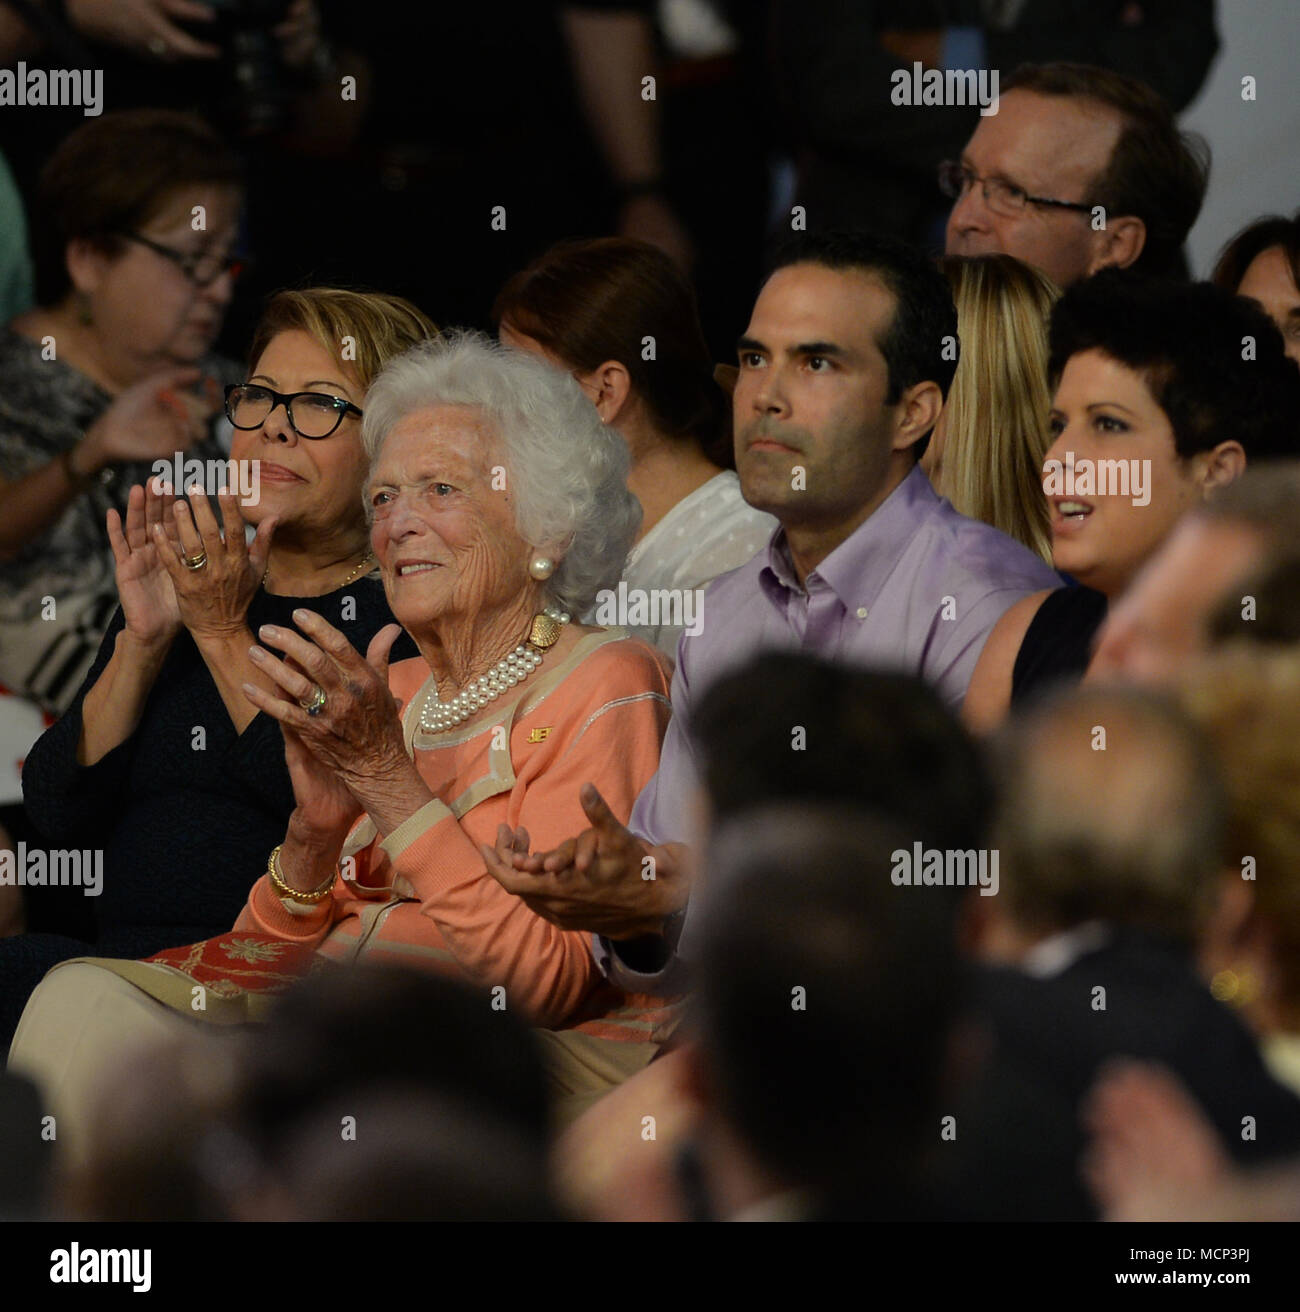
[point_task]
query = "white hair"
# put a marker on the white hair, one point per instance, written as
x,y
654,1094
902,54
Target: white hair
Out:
x,y
567,472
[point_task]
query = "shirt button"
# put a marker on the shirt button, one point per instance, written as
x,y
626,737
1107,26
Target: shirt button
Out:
x,y
862,612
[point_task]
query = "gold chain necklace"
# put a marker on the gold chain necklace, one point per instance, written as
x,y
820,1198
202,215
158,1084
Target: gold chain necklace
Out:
x,y
367,561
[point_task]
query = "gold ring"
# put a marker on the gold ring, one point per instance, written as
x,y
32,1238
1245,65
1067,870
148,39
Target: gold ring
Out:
x,y
195,562
313,707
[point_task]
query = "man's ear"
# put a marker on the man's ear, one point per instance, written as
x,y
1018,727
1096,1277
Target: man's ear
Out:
x,y
609,385
86,264
1118,244
918,410
1222,465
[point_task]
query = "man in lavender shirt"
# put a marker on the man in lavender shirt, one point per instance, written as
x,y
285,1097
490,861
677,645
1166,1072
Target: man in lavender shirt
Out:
x,y
843,371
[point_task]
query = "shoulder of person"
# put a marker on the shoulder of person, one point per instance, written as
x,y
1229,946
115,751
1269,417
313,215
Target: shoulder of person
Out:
x,y
988,696
980,552
1009,632
618,666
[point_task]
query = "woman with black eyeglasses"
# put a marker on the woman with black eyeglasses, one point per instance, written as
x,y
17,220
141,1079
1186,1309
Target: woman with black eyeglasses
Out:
x,y
133,228
161,762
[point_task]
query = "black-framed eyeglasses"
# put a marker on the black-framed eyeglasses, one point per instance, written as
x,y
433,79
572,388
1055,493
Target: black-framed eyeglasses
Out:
x,y
202,269
1004,198
311,414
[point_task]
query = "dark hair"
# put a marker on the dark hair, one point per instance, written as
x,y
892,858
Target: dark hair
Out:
x,y
349,1031
595,300
1186,340
790,727
112,175
834,1091
448,1096
425,1158
924,313
1155,172
1252,241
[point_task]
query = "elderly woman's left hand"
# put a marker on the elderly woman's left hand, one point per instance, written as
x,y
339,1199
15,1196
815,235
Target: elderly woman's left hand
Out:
x,y
213,599
356,731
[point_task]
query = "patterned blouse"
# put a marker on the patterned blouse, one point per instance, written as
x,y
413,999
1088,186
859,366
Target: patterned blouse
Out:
x,y
58,594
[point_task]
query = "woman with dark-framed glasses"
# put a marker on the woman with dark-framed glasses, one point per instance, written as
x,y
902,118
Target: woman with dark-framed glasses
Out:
x,y
134,226
161,763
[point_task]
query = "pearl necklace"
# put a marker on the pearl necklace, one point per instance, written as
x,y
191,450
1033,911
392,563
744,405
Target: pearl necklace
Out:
x,y
437,716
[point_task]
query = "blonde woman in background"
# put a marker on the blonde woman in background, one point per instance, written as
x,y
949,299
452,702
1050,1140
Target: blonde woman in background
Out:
x,y
986,453
1247,702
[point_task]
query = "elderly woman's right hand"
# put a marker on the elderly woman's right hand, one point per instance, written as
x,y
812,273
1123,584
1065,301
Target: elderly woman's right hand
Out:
x,y
353,729
143,584
326,810
152,420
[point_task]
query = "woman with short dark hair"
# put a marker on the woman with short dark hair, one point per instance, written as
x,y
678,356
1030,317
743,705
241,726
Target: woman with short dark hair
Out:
x,y
1163,392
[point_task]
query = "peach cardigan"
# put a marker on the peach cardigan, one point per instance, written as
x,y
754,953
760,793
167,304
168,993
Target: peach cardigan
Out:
x,y
422,896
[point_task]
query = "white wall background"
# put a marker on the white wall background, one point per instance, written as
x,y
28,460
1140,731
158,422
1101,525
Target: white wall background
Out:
x,y
1255,165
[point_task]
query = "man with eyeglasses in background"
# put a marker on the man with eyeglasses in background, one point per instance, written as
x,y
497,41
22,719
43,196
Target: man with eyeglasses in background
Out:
x,y
1081,168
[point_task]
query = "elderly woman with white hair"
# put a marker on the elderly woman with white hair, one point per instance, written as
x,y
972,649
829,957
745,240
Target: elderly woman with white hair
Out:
x,y
499,507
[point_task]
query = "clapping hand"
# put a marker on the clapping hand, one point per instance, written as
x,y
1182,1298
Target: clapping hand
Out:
x,y
213,597
144,586
352,727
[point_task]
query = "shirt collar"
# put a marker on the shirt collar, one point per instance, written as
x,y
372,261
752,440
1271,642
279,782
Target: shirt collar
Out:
x,y
1056,954
858,568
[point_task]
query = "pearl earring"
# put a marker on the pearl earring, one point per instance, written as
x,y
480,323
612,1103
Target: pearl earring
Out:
x,y
541,567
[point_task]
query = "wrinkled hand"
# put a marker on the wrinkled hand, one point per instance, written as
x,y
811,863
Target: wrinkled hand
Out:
x,y
604,881
144,27
357,734
144,586
153,419
213,601
324,805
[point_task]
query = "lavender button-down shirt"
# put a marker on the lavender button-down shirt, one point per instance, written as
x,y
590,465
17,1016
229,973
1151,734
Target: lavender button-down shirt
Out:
x,y
916,587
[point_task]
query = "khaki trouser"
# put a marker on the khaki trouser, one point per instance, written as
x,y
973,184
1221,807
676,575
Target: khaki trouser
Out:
x,y
83,1025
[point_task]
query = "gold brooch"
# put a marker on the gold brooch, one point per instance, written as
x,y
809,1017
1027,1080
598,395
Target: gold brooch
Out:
x,y
545,631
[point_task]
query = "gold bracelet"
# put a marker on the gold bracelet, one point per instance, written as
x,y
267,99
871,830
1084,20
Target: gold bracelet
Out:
x,y
283,889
